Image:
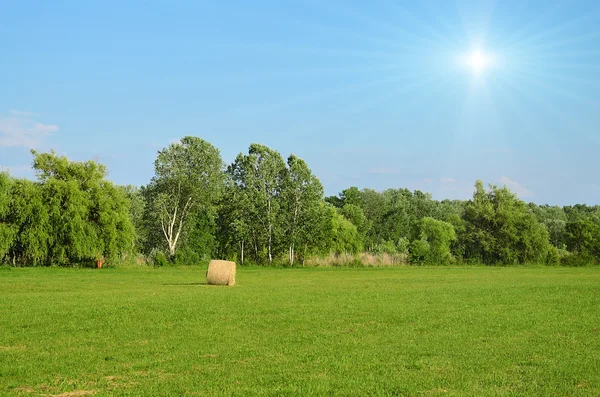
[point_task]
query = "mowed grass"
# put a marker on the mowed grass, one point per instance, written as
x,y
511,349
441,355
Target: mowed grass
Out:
x,y
393,331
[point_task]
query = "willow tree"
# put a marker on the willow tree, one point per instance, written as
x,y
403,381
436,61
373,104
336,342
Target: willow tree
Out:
x,y
501,229
29,214
188,178
84,215
7,229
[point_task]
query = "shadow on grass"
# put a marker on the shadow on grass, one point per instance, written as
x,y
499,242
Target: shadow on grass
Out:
x,y
188,284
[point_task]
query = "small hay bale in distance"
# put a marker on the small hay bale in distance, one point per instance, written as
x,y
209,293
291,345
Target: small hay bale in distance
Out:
x,y
221,273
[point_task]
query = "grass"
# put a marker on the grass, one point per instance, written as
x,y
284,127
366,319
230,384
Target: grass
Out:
x,y
384,331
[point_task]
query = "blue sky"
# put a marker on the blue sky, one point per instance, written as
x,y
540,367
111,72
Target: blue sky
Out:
x,y
371,94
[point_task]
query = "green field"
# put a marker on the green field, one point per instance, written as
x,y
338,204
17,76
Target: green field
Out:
x,y
393,331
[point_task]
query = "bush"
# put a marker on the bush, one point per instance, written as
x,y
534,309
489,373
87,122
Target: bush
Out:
x,y
418,252
402,245
553,258
386,247
578,259
187,257
157,258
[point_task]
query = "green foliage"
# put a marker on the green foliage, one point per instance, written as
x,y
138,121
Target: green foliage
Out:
x,y
319,242
233,233
402,245
260,175
8,230
188,180
301,195
419,252
30,214
582,212
271,207
157,258
554,219
71,216
553,258
265,210
344,237
137,206
501,230
439,236
388,216
355,214
386,247
583,240
200,242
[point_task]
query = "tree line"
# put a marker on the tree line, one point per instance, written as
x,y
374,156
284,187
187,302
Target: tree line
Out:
x,y
264,209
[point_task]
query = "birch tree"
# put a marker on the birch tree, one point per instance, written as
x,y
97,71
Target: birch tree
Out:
x,y
234,217
188,178
302,192
260,174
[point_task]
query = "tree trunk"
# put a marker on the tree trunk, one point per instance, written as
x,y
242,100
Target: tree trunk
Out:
x,y
270,230
270,257
242,252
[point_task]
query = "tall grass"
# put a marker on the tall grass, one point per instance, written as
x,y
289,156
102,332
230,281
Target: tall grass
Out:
x,y
363,259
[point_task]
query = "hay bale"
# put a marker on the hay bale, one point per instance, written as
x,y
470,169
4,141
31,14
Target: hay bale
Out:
x,y
221,273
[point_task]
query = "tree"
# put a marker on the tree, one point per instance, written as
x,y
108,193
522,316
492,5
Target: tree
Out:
x,y
398,217
260,175
421,206
583,239
111,211
501,229
7,228
439,235
554,219
88,216
34,232
233,222
71,215
374,207
320,240
301,194
188,178
200,242
137,207
419,252
355,214
344,237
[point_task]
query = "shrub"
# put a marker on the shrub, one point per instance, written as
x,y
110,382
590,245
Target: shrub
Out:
x,y
418,252
157,258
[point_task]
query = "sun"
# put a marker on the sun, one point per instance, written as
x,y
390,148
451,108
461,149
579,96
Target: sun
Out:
x,y
478,61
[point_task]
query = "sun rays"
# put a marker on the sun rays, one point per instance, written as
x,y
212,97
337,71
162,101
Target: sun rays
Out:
x,y
395,58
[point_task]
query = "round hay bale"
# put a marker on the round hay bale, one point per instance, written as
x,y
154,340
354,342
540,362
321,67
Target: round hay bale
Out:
x,y
221,273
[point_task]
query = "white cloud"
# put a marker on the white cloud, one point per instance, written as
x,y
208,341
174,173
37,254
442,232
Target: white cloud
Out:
x,y
517,188
440,180
383,171
17,170
20,113
447,180
20,129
